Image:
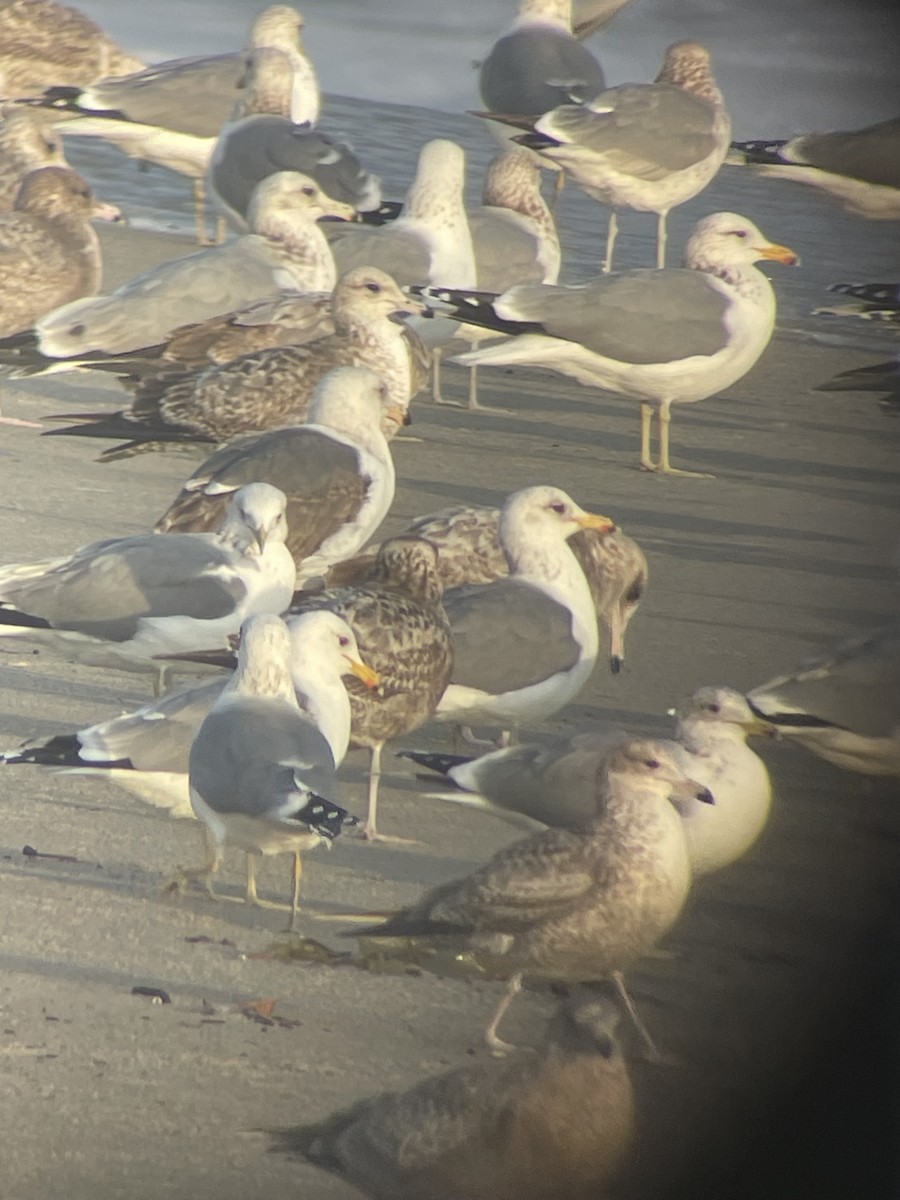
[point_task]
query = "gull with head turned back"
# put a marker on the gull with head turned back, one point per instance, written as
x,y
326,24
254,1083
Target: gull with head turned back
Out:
x,y
662,337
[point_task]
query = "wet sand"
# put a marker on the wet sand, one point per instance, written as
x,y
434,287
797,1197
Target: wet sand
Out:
x,y
774,992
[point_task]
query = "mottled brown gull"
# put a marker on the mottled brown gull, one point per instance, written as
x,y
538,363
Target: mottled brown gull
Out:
x,y
662,337
50,252
336,471
859,168
467,538
556,1124
843,705
524,646
261,772
119,602
572,906
145,752
26,144
403,633
273,387
646,146
261,138
552,783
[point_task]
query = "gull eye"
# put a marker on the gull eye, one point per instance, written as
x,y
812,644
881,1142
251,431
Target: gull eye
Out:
x,y
652,763
374,287
309,191
343,640
558,507
741,233
714,708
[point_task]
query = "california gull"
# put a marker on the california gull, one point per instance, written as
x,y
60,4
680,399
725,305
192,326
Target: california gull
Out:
x,y
646,146
467,537
119,602
261,138
51,253
336,471
566,905
524,646
285,249
843,705
273,387
859,168
259,766
403,633
145,752
538,1126
43,42
26,144
663,337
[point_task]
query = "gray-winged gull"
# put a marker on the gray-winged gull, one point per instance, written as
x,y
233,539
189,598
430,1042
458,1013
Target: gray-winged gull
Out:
x,y
261,138
43,42
859,168
467,538
273,387
287,250
843,705
552,783
119,602
259,766
572,906
663,337
538,1126
646,146
145,752
26,144
524,646
881,377
50,252
336,471
402,631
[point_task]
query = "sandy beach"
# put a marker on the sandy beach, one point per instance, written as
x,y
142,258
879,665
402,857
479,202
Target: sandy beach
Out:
x,y
777,992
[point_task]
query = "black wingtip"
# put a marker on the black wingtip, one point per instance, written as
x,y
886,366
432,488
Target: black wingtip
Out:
x,y
442,764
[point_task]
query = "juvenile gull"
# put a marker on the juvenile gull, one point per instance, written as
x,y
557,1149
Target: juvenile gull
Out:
x,y
467,538
145,752
552,784
336,471
259,766
553,1125
286,249
50,252
403,632
663,337
646,146
273,387
26,144
843,705
860,168
120,602
261,138
524,646
571,906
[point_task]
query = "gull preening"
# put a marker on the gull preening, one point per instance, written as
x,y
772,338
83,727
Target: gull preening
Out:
x,y
662,337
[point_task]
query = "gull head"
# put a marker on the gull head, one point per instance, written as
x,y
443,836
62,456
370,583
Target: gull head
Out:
x,y
547,513
726,240
279,26
720,706
409,564
647,765
328,638
255,518
292,198
367,294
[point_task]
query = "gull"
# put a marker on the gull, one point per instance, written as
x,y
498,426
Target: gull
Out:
x,y
258,766
859,168
286,249
843,705
145,752
44,42
467,537
538,1126
564,905
336,471
261,138
871,301
646,146
26,144
403,632
524,646
119,602
49,251
171,114
662,337
879,377
273,387
552,784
